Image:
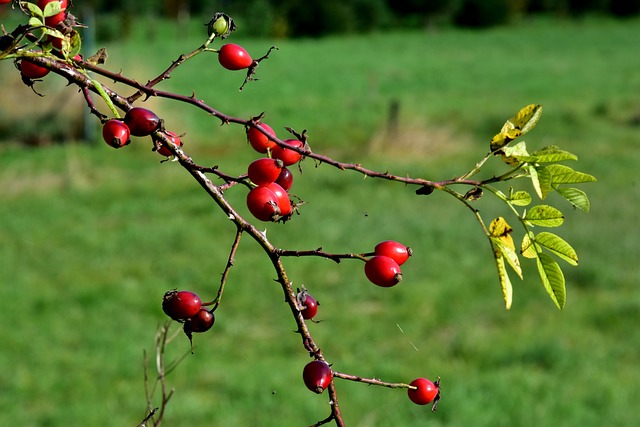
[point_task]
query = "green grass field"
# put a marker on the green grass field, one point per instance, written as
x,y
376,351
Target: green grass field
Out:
x,y
91,238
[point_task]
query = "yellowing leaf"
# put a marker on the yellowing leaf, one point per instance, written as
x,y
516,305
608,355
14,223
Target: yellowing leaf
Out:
x,y
505,282
528,248
501,230
520,198
522,122
500,235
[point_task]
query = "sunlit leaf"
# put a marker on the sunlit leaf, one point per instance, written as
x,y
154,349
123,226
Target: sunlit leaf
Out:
x,y
511,155
577,198
505,282
544,216
522,122
529,249
51,9
561,174
552,279
557,246
34,10
540,179
546,155
502,241
35,22
520,198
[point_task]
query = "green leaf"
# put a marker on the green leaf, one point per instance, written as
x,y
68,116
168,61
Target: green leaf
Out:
x,y
541,180
34,10
500,235
511,155
505,282
577,198
522,122
35,22
508,253
529,249
520,198
51,9
552,279
75,44
561,174
544,216
557,246
546,155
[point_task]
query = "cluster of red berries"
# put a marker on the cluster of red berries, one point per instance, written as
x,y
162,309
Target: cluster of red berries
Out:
x,y
383,268
137,122
269,199
186,307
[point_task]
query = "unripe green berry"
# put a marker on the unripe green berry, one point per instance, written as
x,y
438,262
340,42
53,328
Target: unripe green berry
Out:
x,y
221,25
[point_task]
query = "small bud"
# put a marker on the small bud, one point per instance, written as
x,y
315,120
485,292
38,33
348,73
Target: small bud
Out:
x,y
221,25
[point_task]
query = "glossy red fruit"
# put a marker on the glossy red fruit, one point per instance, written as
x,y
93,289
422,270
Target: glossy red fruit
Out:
x,y
141,122
394,250
317,376
201,322
425,393
181,305
116,133
284,203
5,1
258,140
264,171
310,306
164,151
263,204
32,71
234,57
285,179
382,271
287,155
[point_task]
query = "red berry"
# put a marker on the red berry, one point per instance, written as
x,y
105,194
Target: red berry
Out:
x,y
287,155
116,133
181,305
141,122
263,204
258,140
284,203
308,303
201,322
285,179
5,1
54,20
394,250
425,392
234,57
264,171
32,71
164,151
317,376
382,271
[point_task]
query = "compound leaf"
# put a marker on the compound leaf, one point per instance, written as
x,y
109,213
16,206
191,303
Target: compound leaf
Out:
x,y
544,216
557,246
577,198
552,279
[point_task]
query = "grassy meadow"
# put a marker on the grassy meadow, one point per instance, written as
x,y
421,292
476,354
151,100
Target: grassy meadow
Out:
x,y
91,237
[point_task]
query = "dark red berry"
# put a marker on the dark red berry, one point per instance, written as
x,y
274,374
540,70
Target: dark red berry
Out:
x,y
285,179
310,306
201,322
181,305
394,250
284,203
116,133
141,122
382,271
317,376
163,150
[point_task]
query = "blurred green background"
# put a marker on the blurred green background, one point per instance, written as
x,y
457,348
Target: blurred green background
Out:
x,y
92,237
